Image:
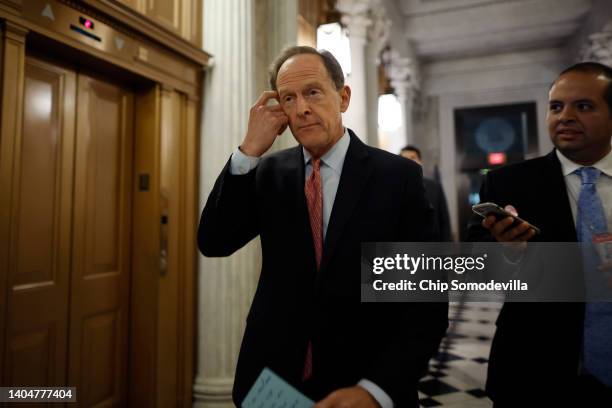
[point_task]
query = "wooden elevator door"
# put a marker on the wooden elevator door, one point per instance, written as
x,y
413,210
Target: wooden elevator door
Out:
x,y
69,277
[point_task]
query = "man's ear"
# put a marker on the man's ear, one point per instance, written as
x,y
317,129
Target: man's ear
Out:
x,y
345,98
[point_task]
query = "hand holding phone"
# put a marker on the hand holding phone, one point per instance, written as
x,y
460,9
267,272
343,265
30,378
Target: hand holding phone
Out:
x,y
487,209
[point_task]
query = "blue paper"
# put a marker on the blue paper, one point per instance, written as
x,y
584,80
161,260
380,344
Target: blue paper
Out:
x,y
271,391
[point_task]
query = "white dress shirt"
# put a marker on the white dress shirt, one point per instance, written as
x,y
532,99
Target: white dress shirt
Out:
x,y
331,169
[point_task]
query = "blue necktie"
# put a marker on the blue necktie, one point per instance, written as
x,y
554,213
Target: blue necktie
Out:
x,y
597,341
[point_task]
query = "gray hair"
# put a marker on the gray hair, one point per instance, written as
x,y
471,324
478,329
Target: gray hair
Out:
x,y
332,65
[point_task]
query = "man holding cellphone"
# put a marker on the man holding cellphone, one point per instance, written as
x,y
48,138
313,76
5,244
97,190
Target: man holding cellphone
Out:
x,y
312,206
556,354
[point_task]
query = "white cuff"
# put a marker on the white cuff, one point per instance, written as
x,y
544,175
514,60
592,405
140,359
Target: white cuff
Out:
x,y
241,164
379,395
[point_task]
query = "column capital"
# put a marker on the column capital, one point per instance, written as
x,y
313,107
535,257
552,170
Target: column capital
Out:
x,y
599,46
380,29
354,7
357,25
366,19
356,16
402,73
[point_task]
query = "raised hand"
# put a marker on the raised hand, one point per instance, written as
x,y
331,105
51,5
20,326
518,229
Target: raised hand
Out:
x,y
265,124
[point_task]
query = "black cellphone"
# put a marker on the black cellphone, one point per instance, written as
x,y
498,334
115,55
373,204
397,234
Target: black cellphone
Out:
x,y
486,209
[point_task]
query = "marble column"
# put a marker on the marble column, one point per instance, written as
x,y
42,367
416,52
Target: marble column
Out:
x,y
226,285
378,39
233,34
281,33
355,16
401,75
282,26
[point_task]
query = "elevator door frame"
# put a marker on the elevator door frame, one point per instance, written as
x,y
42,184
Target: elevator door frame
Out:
x,y
159,371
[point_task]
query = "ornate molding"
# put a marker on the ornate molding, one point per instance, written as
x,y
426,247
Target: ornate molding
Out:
x,y
381,27
356,16
402,73
366,20
354,7
599,46
14,31
213,389
357,25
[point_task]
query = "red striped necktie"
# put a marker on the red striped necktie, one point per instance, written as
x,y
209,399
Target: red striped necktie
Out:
x,y
314,199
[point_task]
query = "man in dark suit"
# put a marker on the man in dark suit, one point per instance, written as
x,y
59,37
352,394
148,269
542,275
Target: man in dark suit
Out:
x,y
313,206
556,354
435,195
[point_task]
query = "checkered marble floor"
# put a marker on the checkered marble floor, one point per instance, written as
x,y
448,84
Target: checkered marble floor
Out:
x,y
457,374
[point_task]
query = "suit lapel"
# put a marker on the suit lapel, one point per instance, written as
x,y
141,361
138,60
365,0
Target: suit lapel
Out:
x,y
356,171
555,194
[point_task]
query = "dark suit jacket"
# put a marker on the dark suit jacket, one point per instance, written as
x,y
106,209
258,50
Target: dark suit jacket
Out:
x,y
536,348
380,198
435,195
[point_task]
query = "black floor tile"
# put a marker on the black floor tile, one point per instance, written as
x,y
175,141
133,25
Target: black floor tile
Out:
x,y
455,336
477,392
445,356
429,402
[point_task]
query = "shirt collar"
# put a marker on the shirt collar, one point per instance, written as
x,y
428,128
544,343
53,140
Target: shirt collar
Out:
x,y
568,167
334,157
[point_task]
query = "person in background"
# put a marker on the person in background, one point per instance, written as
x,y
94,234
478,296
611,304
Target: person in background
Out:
x,y
557,354
435,195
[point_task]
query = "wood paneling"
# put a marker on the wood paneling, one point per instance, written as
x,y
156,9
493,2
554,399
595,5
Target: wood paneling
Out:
x,y
168,289
40,178
102,242
311,11
138,5
101,360
166,12
187,285
145,276
11,99
31,357
164,299
39,269
306,32
181,17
